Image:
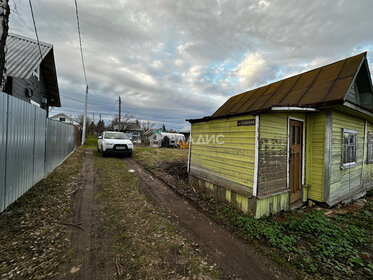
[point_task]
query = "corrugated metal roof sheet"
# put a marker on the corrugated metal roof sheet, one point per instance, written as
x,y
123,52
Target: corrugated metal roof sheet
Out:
x,y
22,56
322,86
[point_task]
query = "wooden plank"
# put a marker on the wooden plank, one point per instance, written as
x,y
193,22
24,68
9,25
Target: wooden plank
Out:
x,y
327,154
272,153
207,175
233,158
315,155
343,182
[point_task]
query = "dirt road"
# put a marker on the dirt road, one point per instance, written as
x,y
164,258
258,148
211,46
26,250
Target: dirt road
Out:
x,y
236,258
91,246
92,257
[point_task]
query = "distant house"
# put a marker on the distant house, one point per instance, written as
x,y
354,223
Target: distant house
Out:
x,y
134,130
166,139
149,134
185,131
62,117
307,137
31,76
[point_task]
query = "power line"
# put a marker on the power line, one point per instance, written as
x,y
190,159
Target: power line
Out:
x,y
80,101
109,115
36,31
85,75
15,10
80,42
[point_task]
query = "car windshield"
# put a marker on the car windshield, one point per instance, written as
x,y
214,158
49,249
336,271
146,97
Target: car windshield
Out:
x,y
115,135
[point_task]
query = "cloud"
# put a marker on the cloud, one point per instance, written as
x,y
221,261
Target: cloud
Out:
x,y
251,70
172,60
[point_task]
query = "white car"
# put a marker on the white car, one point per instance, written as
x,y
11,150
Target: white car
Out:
x,y
114,142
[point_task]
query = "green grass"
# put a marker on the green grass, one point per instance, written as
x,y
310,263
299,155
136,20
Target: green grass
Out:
x,y
310,241
90,141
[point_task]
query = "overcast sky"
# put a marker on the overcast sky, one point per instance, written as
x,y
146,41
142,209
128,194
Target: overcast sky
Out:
x,y
173,60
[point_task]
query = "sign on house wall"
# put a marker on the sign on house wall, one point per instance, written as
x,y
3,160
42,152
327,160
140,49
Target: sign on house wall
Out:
x,y
246,122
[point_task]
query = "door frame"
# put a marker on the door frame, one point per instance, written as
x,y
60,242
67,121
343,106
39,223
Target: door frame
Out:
x,y
290,118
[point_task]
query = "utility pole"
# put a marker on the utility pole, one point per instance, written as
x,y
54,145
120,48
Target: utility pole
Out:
x,y
4,20
93,115
85,115
100,117
120,109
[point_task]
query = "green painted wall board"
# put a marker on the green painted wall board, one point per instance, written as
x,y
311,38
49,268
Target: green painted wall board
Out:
x,y
345,181
234,158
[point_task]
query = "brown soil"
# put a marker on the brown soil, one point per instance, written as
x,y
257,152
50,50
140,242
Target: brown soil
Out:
x,y
177,169
92,258
238,259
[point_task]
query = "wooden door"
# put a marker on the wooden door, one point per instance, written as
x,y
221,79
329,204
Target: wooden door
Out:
x,y
295,159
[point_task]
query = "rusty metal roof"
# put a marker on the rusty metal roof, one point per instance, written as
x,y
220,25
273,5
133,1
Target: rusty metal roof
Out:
x,y
319,87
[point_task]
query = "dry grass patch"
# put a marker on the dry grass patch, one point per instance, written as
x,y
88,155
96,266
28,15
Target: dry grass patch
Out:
x,y
152,157
32,235
147,244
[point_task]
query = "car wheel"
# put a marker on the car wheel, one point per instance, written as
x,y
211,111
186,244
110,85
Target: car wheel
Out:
x,y
98,150
103,154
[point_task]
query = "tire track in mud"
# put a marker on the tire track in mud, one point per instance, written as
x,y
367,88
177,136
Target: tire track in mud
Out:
x,y
92,255
235,257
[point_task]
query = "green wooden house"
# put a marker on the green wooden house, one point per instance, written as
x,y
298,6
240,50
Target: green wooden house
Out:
x,y
307,137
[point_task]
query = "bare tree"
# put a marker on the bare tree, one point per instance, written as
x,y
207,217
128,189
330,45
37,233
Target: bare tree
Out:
x,y
80,119
123,121
4,20
146,125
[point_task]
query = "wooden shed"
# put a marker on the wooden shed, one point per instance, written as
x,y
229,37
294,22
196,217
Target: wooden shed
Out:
x,y
309,136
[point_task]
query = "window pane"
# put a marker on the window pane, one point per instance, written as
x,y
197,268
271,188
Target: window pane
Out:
x,y
292,135
352,156
352,138
297,135
349,147
344,153
345,138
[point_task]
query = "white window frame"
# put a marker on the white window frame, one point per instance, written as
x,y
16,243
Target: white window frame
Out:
x,y
348,164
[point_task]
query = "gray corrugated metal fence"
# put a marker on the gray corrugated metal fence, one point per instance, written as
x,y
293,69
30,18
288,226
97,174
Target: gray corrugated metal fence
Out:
x,y
3,110
60,143
31,146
